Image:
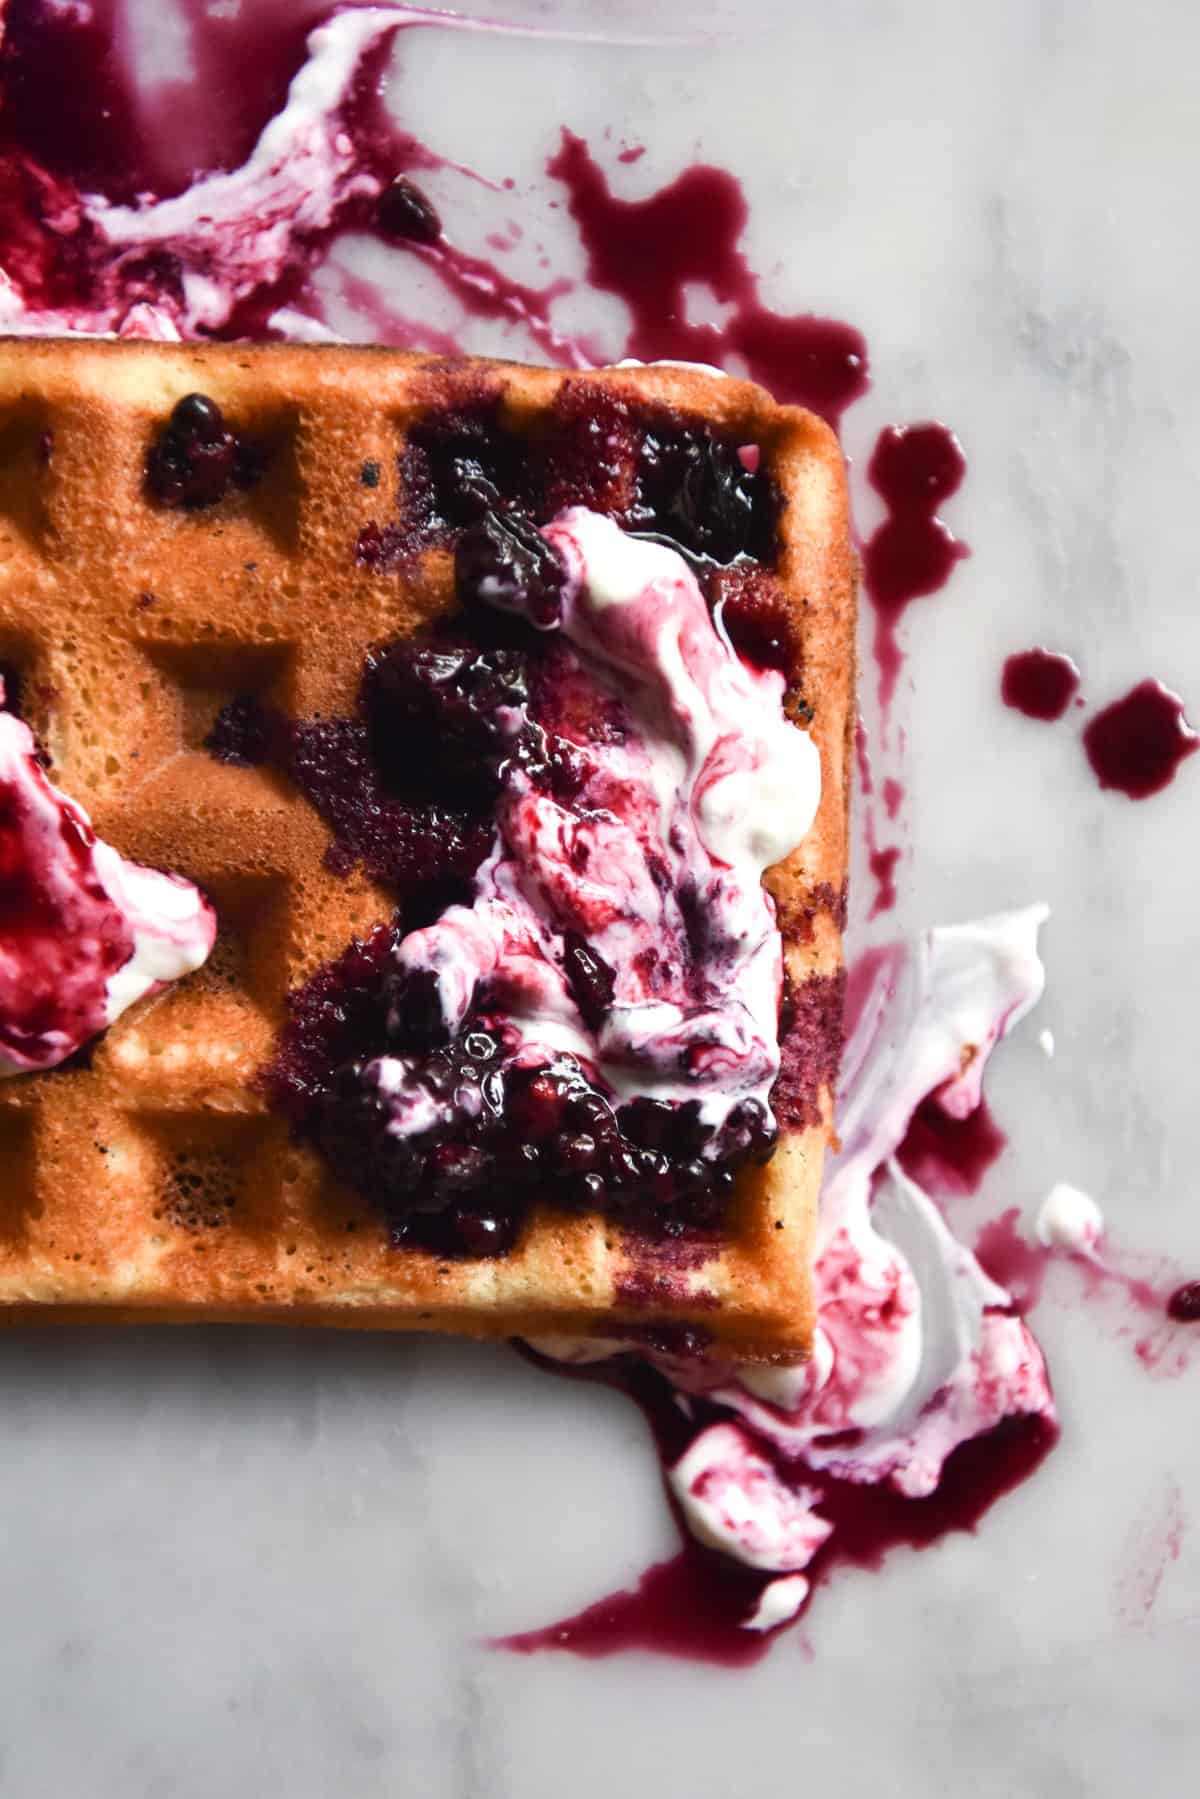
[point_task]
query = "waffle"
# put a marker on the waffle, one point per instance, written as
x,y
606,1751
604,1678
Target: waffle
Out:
x,y
155,1183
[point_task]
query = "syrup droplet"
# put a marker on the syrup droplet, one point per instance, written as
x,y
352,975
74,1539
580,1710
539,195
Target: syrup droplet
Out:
x,y
1137,743
1040,683
915,469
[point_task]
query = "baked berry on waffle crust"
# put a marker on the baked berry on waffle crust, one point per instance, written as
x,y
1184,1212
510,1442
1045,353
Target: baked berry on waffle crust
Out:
x,y
473,699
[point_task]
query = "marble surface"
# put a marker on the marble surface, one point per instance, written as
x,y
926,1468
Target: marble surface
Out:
x,y
263,1563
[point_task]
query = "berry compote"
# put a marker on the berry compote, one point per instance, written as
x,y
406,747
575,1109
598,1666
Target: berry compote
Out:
x,y
456,1115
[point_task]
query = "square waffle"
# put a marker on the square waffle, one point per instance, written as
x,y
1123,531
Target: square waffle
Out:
x,y
154,1182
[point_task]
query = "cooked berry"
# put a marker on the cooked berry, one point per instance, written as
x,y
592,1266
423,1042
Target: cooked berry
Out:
x,y
403,211
694,489
746,1134
482,1231
415,1020
195,457
505,561
1184,1303
369,474
575,1151
465,699
458,466
590,978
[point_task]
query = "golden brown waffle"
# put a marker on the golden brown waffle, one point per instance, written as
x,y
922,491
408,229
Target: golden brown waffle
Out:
x,y
155,1183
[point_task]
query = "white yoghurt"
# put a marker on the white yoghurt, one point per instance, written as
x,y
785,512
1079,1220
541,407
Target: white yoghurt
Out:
x,y
66,899
234,232
710,783
1069,1219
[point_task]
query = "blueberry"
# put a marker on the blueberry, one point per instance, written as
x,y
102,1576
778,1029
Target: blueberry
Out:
x,y
457,1168
481,1231
404,212
590,978
588,1192
195,456
693,488
468,699
415,1019
504,561
575,1151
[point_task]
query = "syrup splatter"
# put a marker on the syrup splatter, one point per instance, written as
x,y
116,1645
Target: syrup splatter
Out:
x,y
695,1605
1136,744
1040,683
915,469
1021,1266
648,252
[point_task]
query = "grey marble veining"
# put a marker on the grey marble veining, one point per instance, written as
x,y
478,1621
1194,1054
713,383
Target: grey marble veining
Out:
x,y
264,1563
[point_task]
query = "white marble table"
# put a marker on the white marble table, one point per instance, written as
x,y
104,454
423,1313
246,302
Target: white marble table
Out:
x,y
260,1564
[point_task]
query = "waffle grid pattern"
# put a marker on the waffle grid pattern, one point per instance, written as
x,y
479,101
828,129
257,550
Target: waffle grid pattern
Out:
x,y
153,1181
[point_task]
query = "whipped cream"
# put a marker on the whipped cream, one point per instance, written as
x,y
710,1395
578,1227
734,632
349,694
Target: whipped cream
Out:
x,y
707,786
83,932
916,1351
1069,1219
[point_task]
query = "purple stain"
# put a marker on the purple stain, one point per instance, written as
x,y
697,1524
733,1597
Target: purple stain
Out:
x,y
1136,744
882,864
1040,683
1011,1260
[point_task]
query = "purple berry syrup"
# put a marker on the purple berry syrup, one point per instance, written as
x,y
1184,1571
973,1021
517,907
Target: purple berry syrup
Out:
x,y
695,1604
649,251
915,469
1137,744
1040,683
950,1156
